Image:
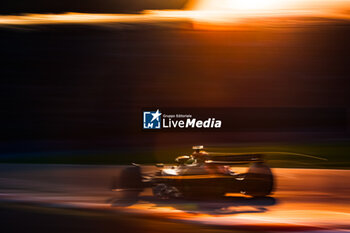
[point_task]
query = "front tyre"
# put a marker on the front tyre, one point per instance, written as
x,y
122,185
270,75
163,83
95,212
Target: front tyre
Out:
x,y
129,184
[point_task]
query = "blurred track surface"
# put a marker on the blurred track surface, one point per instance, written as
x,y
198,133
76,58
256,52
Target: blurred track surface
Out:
x,y
305,199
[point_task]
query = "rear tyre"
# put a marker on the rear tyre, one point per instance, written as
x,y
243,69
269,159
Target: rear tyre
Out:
x,y
259,181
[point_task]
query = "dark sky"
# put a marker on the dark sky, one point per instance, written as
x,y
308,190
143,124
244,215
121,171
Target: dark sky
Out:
x,y
85,85
98,6
77,83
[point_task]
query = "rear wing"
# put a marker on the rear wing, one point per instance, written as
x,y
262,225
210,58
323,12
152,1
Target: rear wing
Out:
x,y
243,158
233,158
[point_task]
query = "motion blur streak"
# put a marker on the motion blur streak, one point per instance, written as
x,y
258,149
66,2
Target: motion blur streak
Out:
x,y
209,11
71,18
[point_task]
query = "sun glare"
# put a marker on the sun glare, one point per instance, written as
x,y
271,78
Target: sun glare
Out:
x,y
254,4
264,5
239,4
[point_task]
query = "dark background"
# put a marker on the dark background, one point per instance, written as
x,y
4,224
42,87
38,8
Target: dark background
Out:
x,y
83,87
92,6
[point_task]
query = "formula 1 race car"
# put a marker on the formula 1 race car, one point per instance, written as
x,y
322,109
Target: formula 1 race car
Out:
x,y
201,174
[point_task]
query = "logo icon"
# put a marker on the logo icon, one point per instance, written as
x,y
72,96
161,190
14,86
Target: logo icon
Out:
x,y
151,120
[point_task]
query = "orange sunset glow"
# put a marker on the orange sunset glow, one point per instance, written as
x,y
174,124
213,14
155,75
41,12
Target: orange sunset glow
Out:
x,y
224,12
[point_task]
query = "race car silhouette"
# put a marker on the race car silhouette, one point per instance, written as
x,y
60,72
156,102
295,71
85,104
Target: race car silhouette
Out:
x,y
202,174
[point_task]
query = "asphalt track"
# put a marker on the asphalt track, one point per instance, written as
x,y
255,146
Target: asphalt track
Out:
x,y
305,199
